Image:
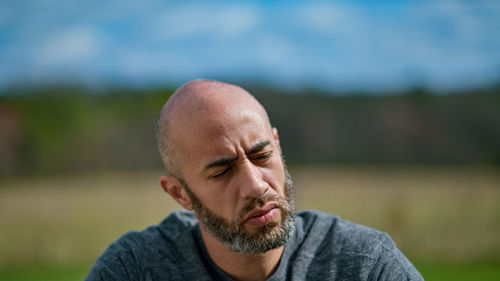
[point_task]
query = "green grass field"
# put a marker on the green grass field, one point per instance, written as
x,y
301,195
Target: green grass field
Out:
x,y
446,220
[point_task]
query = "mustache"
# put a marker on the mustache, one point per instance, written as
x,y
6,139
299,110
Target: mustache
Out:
x,y
259,202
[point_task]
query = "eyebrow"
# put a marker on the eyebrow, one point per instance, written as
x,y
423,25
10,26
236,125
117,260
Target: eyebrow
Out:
x,y
221,162
228,160
258,147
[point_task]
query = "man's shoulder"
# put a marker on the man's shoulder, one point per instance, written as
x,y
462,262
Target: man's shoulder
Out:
x,y
156,249
349,250
341,234
178,224
336,224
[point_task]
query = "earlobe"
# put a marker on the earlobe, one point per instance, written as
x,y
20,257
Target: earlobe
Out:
x,y
174,188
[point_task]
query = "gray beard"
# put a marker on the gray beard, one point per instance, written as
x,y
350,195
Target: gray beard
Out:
x,y
235,237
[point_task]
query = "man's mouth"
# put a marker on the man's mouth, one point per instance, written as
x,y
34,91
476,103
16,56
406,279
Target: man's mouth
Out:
x,y
262,216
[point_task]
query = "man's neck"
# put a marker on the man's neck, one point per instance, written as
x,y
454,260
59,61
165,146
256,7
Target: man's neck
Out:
x,y
240,266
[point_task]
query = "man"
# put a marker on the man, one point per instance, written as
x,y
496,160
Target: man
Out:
x,y
225,167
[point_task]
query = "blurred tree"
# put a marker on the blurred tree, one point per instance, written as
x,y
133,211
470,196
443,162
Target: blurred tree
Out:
x,y
71,129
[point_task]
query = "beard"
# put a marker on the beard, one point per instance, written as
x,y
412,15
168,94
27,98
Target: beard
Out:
x,y
234,235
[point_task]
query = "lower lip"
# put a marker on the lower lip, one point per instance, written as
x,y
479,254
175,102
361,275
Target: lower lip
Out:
x,y
264,219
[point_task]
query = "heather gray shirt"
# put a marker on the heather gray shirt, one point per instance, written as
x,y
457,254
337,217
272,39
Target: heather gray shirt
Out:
x,y
323,247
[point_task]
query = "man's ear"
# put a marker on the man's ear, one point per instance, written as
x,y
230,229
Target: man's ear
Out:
x,y
174,188
276,136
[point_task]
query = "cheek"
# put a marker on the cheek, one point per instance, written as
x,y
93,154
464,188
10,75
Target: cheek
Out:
x,y
275,176
210,196
228,200
222,201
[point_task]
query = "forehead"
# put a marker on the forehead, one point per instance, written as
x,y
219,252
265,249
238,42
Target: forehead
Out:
x,y
204,132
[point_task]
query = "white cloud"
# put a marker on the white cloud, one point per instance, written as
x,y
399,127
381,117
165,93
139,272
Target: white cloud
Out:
x,y
325,17
74,45
198,18
273,49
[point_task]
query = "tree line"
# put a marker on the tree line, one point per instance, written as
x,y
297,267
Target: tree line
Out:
x,y
71,129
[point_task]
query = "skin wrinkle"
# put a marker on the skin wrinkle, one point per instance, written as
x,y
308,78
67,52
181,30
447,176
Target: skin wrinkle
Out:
x,y
234,236
229,160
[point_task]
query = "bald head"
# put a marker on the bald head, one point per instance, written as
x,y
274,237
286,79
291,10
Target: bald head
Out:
x,y
200,105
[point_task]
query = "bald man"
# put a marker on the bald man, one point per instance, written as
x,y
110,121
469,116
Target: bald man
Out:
x,y
224,166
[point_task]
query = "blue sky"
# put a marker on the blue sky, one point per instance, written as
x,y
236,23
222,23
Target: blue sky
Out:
x,y
339,45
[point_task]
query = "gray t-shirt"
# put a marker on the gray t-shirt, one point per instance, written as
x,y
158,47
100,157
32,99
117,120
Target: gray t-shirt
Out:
x,y
322,247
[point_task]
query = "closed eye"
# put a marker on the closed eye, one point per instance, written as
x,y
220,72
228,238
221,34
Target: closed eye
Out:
x,y
263,156
221,173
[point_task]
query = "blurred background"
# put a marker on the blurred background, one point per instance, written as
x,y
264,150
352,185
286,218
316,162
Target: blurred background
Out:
x,y
388,113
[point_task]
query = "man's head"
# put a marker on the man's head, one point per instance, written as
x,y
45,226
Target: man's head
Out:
x,y
224,161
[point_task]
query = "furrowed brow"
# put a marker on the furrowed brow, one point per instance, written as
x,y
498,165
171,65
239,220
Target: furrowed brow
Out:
x,y
228,160
221,162
258,147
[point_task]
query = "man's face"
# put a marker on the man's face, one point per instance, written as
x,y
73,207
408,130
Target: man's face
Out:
x,y
234,234
238,185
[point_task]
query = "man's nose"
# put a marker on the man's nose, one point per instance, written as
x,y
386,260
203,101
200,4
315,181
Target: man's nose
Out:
x,y
251,180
